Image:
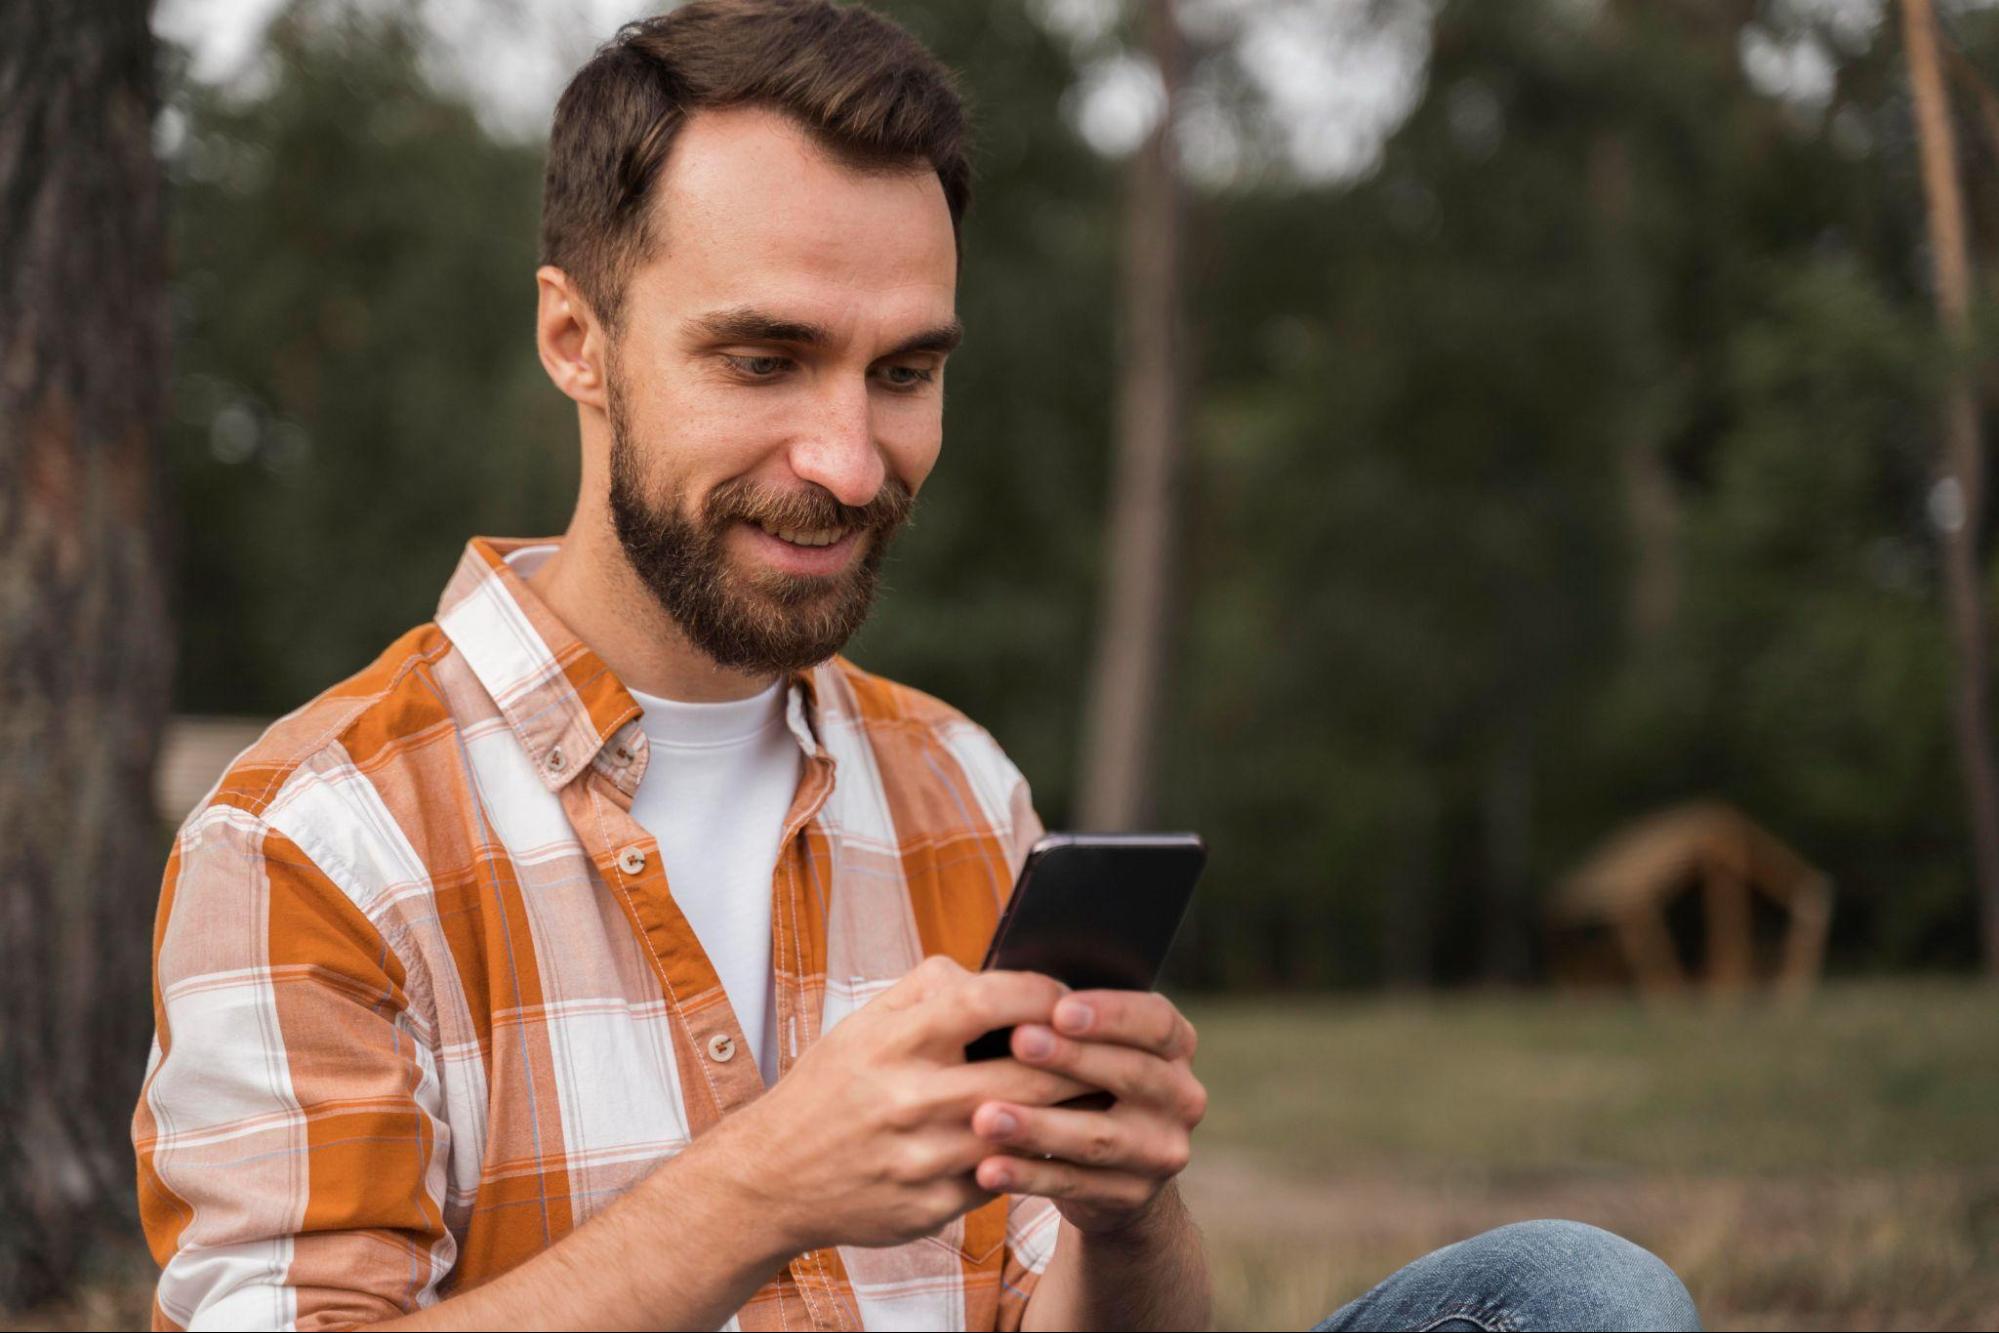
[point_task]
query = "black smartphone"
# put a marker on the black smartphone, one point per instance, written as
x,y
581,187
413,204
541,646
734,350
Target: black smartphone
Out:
x,y
1095,911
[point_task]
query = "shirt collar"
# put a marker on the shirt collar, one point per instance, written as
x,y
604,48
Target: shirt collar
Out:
x,y
563,704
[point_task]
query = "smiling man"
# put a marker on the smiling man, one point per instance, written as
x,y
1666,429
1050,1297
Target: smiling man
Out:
x,y
598,957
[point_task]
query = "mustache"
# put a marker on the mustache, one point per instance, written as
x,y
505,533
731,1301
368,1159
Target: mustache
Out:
x,y
812,508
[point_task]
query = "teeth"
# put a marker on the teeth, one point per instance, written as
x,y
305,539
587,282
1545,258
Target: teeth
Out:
x,y
805,536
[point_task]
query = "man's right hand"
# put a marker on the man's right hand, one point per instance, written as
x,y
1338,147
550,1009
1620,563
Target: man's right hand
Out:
x,y
868,1139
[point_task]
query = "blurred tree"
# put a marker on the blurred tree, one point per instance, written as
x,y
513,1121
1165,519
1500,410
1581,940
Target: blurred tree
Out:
x,y
84,642
1122,710
1959,494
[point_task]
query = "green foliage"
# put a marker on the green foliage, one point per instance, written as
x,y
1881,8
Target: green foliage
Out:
x,y
357,383
1407,690
1412,687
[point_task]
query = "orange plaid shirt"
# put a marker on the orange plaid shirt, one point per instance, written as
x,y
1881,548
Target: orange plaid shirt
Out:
x,y
425,1003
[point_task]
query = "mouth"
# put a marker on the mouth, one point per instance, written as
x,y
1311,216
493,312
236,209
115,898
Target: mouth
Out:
x,y
806,536
808,551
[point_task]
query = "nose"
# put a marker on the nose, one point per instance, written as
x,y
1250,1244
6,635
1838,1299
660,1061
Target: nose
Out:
x,y
838,451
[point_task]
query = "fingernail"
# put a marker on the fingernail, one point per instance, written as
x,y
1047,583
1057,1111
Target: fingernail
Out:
x,y
1036,1043
1073,1016
1001,1181
1004,1125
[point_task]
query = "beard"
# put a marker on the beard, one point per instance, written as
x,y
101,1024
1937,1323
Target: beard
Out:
x,y
759,620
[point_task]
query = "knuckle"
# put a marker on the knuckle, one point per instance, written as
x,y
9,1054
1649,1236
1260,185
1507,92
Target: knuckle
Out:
x,y
906,1167
975,1007
1174,1160
939,1204
1101,1147
903,1106
1195,1109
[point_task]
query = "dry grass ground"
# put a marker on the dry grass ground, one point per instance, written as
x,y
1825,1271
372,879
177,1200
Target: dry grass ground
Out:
x,y
1829,1168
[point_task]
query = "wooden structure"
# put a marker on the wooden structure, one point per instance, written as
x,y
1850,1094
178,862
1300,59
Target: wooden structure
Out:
x,y
194,754
1627,884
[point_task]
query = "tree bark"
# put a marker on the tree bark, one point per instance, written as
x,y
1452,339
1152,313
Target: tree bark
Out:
x,y
1122,712
84,645
1961,470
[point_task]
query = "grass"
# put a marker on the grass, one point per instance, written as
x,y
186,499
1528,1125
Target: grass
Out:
x,y
1831,1166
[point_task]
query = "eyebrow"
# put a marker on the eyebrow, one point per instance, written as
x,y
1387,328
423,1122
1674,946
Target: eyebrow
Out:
x,y
747,325
942,340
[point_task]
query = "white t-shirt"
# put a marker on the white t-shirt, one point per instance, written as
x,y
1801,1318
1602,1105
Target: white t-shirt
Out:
x,y
718,783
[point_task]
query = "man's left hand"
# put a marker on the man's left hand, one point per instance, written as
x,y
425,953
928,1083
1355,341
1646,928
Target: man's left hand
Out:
x,y
1102,1168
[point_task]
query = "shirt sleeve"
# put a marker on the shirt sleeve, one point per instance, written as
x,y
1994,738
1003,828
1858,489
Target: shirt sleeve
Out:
x,y
1023,824
290,1138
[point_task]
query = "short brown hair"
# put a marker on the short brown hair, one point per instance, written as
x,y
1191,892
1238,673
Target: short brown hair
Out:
x,y
865,89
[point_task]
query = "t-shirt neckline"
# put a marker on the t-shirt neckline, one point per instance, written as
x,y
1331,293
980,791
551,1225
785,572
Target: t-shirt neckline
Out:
x,y
681,725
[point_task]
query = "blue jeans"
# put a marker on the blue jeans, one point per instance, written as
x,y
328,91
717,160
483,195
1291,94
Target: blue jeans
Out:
x,y
1531,1275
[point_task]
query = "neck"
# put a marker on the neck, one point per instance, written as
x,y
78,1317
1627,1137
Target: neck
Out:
x,y
589,585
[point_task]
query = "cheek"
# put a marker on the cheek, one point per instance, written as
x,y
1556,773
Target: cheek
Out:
x,y
700,435
911,438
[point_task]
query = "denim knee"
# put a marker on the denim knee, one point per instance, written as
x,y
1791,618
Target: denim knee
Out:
x,y
1541,1276
1573,1275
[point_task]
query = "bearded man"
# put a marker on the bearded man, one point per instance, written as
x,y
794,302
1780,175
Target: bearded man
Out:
x,y
598,957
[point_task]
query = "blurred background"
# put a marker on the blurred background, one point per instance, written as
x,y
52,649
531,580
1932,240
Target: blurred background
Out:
x,y
1504,470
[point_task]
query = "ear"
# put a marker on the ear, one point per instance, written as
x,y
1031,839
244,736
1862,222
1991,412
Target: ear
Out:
x,y
572,344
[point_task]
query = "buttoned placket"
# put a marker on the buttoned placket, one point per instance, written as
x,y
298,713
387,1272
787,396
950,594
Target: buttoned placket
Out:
x,y
627,858
598,803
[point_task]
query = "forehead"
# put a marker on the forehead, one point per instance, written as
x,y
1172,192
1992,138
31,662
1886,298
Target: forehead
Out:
x,y
749,211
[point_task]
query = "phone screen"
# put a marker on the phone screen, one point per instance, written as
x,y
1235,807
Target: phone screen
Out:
x,y
1094,911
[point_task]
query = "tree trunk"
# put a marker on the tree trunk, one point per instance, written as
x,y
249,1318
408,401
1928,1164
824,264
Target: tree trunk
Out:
x,y
1508,808
1121,717
1960,482
84,646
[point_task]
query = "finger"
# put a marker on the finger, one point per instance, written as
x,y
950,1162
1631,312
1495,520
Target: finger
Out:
x,y
968,1086
1144,1019
979,1002
1141,1145
1098,1186
933,975
1129,1074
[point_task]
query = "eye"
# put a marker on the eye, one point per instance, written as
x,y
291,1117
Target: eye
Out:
x,y
907,377
758,367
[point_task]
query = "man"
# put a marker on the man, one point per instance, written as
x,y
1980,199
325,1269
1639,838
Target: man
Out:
x,y
599,956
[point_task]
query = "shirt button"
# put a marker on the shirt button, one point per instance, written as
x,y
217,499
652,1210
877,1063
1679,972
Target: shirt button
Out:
x,y
632,860
720,1047
556,761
